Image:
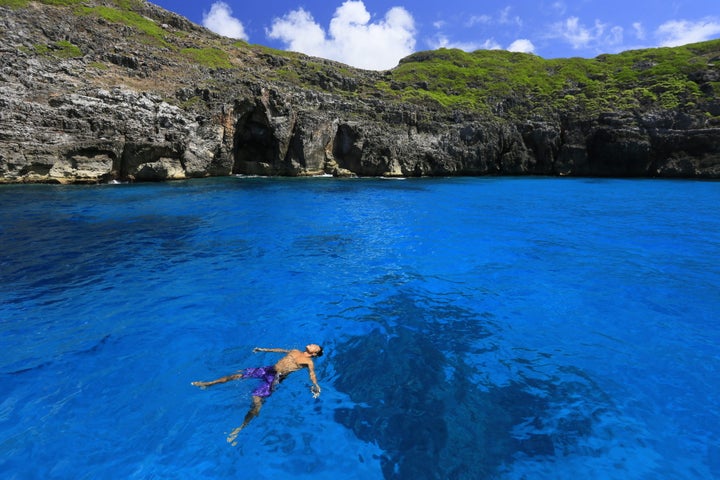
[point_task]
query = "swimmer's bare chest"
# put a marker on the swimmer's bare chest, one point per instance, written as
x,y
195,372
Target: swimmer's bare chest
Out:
x,y
291,362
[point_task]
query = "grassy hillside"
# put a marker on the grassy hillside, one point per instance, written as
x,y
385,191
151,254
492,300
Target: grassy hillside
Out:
x,y
496,82
666,78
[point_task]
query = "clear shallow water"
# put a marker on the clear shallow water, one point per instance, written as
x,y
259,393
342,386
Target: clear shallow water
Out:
x,y
474,328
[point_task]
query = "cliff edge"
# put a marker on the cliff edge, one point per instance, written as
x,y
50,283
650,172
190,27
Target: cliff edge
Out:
x,y
96,91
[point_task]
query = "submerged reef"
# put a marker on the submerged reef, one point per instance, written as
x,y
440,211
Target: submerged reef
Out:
x,y
421,396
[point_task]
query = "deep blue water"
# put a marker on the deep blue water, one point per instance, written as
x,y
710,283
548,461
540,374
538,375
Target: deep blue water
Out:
x,y
516,328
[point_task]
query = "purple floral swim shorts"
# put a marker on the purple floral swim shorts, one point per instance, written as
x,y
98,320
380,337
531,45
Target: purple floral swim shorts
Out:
x,y
268,375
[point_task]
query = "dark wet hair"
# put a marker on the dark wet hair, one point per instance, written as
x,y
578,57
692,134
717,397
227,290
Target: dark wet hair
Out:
x,y
318,352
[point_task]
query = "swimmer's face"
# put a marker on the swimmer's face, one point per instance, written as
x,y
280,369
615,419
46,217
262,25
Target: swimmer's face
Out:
x,y
314,350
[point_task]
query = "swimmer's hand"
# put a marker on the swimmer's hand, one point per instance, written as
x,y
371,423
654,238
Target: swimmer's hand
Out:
x,y
315,389
256,349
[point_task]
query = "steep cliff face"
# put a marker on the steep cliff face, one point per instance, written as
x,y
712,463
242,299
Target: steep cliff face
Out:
x,y
123,90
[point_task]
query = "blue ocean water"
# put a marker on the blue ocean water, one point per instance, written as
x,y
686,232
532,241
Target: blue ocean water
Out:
x,y
504,328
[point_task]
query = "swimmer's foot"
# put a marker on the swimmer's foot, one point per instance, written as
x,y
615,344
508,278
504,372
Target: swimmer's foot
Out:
x,y
202,385
233,435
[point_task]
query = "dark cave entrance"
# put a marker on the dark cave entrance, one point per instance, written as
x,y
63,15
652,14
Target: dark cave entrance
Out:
x,y
254,146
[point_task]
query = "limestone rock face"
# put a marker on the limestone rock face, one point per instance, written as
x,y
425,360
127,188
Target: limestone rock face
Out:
x,y
99,135
85,97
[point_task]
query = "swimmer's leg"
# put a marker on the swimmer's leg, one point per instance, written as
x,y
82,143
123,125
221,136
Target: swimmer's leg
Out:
x,y
227,378
252,413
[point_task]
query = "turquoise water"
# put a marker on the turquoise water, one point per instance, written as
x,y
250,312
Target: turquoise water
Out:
x,y
501,328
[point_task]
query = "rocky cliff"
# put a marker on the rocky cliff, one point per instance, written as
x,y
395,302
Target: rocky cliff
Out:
x,y
95,91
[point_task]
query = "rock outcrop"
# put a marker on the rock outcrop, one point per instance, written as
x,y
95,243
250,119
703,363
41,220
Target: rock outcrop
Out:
x,y
145,95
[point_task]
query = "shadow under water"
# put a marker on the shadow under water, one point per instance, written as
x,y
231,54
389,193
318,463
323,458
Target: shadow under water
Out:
x,y
412,380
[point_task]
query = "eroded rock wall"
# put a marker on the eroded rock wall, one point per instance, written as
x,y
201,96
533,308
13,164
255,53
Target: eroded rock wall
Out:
x,y
124,110
120,134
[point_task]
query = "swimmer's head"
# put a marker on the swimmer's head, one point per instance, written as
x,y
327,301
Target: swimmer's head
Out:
x,y
314,350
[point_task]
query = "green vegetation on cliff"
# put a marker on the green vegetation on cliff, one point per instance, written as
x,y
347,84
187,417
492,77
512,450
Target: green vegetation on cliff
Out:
x,y
494,82
130,18
125,12
494,79
14,3
60,49
25,3
208,57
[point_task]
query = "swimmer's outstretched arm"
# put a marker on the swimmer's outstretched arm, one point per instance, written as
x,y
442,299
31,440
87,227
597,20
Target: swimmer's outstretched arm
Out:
x,y
315,389
276,350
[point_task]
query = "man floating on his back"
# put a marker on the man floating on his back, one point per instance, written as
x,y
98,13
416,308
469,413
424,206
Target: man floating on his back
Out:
x,y
271,376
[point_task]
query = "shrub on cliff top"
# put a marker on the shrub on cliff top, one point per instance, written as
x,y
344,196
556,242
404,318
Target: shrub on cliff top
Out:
x,y
64,3
14,3
61,49
127,17
208,57
25,3
507,81
127,4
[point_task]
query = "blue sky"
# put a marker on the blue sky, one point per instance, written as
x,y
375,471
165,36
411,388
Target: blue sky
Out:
x,y
375,34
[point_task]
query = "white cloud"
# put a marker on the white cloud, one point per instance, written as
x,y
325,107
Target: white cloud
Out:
x,y
615,37
559,7
478,19
352,37
580,36
300,32
682,32
490,44
506,19
577,34
639,30
441,41
221,21
522,45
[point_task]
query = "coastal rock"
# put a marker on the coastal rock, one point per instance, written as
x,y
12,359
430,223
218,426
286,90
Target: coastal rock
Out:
x,y
91,97
681,152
